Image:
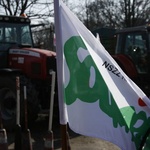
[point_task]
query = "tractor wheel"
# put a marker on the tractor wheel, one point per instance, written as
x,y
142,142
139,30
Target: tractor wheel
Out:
x,y
8,101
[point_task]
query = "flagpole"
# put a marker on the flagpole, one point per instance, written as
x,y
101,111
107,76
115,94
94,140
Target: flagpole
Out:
x,y
59,52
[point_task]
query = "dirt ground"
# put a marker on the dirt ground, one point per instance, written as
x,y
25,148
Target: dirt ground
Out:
x,y
39,129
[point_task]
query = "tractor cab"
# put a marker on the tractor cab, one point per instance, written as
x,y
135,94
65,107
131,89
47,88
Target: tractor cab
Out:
x,y
134,43
14,32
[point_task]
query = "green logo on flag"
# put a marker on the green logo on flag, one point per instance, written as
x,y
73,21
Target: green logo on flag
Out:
x,y
79,87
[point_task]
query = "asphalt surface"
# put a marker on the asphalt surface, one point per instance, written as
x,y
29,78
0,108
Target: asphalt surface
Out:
x,y
39,130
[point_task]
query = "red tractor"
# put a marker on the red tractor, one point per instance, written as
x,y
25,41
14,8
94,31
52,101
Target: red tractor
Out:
x,y
19,58
133,54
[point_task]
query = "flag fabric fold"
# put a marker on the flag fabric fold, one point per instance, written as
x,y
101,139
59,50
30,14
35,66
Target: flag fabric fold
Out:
x,y
99,99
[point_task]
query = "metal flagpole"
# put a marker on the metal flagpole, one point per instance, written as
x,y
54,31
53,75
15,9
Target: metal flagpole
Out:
x,y
59,51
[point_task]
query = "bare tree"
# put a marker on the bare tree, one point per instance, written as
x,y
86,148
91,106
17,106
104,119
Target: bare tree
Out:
x,y
100,13
135,12
33,8
121,13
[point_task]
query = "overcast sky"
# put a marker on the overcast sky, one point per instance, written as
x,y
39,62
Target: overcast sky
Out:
x,y
72,4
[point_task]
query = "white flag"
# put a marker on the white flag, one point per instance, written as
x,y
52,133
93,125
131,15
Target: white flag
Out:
x,y
98,99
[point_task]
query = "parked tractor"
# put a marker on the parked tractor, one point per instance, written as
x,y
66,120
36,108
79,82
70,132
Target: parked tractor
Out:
x,y
19,58
133,54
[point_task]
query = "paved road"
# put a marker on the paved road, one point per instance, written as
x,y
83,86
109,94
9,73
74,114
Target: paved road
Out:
x,y
78,142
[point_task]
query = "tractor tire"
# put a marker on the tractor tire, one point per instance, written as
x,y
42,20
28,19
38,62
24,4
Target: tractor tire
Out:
x,y
8,101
